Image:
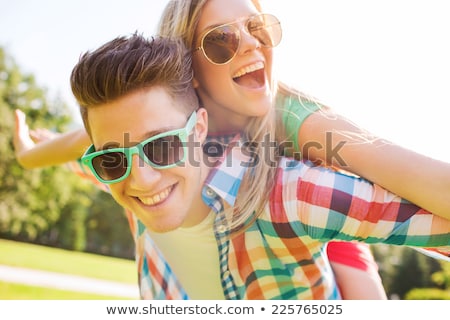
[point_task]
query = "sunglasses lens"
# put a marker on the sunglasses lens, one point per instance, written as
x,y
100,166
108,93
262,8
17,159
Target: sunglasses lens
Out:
x,y
164,151
110,166
220,44
266,28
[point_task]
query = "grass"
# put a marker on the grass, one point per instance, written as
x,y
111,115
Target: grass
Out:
x,y
32,256
13,291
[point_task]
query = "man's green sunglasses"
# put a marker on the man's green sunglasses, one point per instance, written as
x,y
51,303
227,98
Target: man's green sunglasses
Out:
x,y
162,151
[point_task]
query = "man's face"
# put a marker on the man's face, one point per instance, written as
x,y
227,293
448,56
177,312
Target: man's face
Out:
x,y
163,199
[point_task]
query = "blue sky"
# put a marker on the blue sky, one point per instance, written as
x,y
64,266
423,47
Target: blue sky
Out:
x,y
46,37
382,63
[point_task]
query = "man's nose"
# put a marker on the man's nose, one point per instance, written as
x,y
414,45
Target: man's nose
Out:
x,y
142,175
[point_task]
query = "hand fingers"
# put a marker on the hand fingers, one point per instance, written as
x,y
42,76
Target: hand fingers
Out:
x,y
20,118
21,139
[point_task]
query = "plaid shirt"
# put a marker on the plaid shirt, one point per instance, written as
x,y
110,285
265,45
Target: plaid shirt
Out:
x,y
282,255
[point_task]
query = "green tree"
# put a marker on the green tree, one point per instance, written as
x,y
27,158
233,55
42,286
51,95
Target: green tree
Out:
x,y
50,206
404,269
440,278
30,201
108,231
415,271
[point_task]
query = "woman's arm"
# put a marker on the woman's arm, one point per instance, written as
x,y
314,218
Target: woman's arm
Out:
x,y
34,150
415,177
42,148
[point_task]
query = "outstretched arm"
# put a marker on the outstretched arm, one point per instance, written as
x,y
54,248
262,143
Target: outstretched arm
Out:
x,y
39,148
415,177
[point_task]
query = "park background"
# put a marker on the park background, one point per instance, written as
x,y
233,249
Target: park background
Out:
x,y
384,64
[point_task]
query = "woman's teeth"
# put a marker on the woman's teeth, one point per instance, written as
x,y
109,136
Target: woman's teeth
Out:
x,y
249,69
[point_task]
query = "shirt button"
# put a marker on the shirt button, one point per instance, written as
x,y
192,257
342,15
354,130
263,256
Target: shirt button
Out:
x,y
209,192
221,228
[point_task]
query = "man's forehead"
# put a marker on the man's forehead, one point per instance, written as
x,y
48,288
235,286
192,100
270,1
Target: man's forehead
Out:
x,y
129,139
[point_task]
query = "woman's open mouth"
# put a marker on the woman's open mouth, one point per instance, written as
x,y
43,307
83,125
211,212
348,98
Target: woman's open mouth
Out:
x,y
251,76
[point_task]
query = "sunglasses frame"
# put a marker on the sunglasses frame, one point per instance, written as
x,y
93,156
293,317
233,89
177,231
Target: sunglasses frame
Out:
x,y
232,24
183,134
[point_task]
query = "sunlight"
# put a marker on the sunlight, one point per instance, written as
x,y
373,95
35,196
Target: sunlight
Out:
x,y
383,64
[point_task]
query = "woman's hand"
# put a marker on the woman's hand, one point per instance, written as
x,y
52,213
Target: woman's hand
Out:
x,y
42,148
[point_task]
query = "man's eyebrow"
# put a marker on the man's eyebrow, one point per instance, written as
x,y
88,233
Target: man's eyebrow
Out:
x,y
156,132
126,139
109,145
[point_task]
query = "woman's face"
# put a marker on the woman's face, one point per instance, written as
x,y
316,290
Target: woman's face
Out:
x,y
240,89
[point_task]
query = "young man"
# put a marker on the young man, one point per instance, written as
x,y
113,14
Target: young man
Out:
x,y
141,112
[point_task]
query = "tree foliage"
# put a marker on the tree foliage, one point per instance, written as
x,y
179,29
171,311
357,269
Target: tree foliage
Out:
x,y
50,206
439,291
405,270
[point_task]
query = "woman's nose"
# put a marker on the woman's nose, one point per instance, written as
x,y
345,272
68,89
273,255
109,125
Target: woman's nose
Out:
x,y
248,41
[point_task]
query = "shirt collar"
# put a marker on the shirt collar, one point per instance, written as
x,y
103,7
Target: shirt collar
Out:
x,y
225,179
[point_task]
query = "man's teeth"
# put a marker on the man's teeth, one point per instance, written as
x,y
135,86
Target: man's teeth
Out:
x,y
150,201
248,69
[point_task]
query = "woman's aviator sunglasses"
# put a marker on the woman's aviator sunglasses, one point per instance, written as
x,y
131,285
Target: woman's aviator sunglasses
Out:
x,y
162,151
220,44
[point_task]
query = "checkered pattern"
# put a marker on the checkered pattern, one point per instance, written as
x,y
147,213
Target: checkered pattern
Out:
x,y
156,279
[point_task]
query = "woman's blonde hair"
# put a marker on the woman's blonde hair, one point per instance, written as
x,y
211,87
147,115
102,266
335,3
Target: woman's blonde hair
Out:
x,y
179,20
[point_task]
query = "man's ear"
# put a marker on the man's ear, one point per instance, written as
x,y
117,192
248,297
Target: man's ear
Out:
x,y
201,128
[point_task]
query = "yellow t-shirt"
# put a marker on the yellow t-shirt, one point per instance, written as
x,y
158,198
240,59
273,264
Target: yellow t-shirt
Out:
x,y
192,254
